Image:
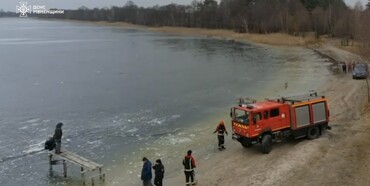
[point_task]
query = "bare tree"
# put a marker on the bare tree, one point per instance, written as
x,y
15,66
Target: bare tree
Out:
x,y
344,27
319,25
357,12
209,13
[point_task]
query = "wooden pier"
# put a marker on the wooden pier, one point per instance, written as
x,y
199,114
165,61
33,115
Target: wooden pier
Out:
x,y
85,164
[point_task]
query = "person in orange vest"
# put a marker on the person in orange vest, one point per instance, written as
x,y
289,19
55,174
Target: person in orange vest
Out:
x,y
221,130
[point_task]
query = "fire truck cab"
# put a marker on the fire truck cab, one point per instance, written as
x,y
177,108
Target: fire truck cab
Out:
x,y
274,120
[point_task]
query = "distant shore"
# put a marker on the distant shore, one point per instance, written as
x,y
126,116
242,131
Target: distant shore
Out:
x,y
272,39
275,39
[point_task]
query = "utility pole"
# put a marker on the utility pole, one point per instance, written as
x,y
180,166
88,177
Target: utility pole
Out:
x,y
329,18
368,91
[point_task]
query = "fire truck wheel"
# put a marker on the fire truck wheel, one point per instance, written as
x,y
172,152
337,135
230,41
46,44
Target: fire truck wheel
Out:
x,y
246,143
266,144
313,132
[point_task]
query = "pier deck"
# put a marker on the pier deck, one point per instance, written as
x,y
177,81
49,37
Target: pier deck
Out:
x,y
85,164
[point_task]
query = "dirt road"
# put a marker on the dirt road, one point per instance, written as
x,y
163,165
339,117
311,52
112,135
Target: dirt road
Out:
x,y
339,157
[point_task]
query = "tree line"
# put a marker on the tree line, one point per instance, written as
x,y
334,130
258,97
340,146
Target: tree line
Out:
x,y
7,14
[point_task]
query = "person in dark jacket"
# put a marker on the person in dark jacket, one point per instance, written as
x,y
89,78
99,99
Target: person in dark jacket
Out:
x,y
58,137
50,144
189,165
159,172
221,130
146,172
344,67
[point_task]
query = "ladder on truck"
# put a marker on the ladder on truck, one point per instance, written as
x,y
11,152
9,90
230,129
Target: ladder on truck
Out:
x,y
85,164
243,101
297,97
300,97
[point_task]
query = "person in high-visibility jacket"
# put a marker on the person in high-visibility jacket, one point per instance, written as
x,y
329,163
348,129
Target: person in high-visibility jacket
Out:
x,y
189,165
221,131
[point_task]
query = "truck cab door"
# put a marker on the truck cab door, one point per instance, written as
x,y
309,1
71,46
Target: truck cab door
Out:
x,y
279,118
257,123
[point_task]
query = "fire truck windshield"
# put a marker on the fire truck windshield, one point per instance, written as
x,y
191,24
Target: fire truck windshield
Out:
x,y
241,116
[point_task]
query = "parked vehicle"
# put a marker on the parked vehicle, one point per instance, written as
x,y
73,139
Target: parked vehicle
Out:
x,y
360,71
274,120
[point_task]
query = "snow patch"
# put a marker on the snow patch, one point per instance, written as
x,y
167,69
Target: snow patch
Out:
x,y
32,120
132,130
34,148
173,140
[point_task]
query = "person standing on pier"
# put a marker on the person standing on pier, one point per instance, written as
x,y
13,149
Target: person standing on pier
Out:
x,y
146,172
58,137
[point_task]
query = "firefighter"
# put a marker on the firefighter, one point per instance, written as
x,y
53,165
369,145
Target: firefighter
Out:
x,y
58,137
189,165
221,130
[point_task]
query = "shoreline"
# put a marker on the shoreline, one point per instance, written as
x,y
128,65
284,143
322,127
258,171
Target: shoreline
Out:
x,y
273,39
269,40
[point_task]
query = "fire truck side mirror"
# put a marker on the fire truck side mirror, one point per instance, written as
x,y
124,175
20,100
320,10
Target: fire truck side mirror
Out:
x,y
231,113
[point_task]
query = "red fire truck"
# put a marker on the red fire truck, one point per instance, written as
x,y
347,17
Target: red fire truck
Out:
x,y
273,120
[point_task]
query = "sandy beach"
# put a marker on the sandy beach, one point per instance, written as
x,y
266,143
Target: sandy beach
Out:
x,y
339,157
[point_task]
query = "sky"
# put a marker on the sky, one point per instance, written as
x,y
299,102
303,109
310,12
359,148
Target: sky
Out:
x,y
10,5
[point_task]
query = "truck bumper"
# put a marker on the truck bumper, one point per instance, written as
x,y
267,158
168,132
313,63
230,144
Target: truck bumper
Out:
x,y
235,137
